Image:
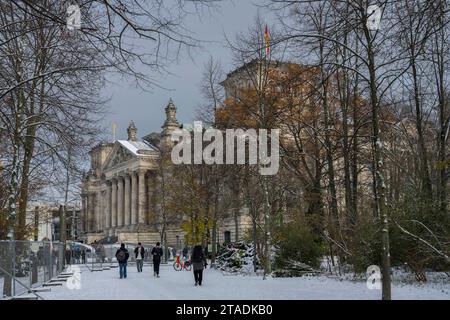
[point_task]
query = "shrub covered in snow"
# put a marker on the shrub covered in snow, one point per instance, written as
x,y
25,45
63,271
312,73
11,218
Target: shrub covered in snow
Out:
x,y
299,251
237,258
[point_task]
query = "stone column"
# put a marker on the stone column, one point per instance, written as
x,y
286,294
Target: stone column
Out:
x,y
149,195
120,202
91,217
134,198
98,212
114,203
127,194
142,198
86,214
103,211
83,213
108,205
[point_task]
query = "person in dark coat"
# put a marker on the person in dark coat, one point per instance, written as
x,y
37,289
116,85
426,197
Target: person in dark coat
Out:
x,y
83,256
185,252
68,256
198,260
139,254
122,256
157,252
101,252
40,256
174,252
77,255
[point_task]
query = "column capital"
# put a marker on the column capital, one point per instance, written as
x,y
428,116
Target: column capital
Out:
x,y
105,183
141,171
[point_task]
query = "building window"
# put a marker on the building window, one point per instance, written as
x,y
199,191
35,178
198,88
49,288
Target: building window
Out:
x,y
227,236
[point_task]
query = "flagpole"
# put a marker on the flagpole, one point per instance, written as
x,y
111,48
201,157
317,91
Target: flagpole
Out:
x,y
114,126
266,37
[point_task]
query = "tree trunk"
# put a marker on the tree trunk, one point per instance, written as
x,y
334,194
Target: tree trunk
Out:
x,y
215,217
377,164
426,191
255,240
267,233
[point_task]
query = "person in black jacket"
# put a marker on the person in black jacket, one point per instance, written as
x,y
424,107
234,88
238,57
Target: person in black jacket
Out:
x,y
122,256
68,256
198,260
139,253
157,252
185,252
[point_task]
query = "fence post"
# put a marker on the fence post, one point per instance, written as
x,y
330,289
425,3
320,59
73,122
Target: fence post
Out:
x,y
62,254
50,261
13,269
31,258
6,263
34,248
62,234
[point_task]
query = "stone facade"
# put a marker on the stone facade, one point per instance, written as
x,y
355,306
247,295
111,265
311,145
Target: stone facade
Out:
x,y
117,194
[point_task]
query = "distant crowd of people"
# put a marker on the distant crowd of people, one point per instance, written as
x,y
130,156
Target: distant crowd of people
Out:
x,y
76,255
197,258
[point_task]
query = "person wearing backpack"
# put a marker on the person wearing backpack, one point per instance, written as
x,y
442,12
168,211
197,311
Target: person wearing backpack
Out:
x,y
157,252
198,260
122,256
139,253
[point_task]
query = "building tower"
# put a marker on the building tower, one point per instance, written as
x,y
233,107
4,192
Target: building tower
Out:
x,y
169,125
132,132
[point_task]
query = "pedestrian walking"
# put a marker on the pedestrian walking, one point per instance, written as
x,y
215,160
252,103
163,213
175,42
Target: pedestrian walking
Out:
x,y
139,253
185,252
77,255
68,256
122,256
157,252
83,256
198,260
174,252
102,253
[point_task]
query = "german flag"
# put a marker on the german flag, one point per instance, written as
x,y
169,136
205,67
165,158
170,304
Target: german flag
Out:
x,y
266,36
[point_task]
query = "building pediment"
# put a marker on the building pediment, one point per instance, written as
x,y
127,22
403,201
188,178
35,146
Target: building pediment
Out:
x,y
118,155
125,151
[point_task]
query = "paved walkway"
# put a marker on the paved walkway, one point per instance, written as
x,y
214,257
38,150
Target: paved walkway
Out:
x,y
179,285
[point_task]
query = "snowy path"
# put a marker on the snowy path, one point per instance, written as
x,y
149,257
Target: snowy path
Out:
x,y
179,285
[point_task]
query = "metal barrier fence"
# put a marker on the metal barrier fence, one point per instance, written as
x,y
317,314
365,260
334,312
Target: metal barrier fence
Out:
x,y
28,264
103,256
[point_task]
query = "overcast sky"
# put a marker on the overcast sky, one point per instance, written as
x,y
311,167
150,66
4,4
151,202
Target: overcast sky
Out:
x,y
146,109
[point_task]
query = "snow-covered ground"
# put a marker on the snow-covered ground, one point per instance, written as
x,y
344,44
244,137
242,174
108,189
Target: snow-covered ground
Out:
x,y
179,285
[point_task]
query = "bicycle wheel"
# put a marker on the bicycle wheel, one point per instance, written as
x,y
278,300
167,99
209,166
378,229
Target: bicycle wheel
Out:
x,y
188,266
177,266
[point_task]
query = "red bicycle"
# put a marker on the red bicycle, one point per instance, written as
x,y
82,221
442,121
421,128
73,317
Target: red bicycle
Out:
x,y
179,265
